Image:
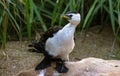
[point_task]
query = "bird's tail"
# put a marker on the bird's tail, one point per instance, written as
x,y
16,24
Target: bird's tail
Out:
x,y
36,47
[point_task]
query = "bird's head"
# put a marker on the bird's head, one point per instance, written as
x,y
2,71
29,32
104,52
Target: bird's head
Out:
x,y
73,17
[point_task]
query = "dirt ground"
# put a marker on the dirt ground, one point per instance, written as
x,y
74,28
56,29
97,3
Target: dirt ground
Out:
x,y
88,44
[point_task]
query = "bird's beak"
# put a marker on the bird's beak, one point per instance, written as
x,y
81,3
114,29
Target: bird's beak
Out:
x,y
66,17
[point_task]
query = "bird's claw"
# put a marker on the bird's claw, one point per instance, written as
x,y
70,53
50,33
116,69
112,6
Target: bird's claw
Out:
x,y
61,68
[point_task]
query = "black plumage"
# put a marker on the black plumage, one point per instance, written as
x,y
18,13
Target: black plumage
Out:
x,y
57,43
40,48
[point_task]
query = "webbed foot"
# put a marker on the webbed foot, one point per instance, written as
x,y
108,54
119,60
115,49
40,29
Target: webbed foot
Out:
x,y
61,68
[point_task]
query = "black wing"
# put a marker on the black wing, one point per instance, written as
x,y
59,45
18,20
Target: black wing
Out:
x,y
40,46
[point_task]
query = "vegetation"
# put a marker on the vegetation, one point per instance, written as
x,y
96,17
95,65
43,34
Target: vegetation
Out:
x,y
21,18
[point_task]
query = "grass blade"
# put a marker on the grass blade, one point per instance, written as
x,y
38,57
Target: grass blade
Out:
x,y
90,12
40,18
112,15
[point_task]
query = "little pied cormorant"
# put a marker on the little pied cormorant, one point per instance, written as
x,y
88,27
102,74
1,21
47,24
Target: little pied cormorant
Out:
x,y
57,43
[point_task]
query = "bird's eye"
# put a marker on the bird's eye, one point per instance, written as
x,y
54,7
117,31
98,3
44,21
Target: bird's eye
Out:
x,y
70,16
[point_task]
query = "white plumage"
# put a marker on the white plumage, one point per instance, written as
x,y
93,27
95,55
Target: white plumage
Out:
x,y
62,42
56,44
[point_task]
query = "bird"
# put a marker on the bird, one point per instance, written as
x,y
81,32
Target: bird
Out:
x,y
57,43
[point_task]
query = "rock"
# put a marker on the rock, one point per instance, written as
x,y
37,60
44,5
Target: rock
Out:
x,y
85,67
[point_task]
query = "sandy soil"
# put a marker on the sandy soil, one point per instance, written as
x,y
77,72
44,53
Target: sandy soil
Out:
x,y
88,44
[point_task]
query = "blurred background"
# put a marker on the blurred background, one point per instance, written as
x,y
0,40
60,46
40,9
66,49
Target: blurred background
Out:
x,y
21,19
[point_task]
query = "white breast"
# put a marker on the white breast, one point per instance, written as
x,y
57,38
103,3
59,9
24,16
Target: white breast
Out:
x,y
62,43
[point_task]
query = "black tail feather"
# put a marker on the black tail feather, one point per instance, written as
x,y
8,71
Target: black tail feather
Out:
x,y
30,45
46,62
37,47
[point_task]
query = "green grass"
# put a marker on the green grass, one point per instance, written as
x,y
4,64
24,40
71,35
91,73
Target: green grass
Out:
x,y
24,17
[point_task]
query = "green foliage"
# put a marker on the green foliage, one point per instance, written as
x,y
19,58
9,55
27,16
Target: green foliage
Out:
x,y
23,17
117,54
6,18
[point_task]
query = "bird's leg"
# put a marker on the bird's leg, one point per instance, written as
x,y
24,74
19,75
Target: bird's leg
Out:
x,y
68,58
46,62
60,67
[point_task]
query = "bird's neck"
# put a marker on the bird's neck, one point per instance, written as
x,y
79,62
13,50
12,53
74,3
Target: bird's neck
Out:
x,y
70,27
